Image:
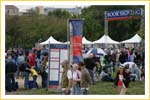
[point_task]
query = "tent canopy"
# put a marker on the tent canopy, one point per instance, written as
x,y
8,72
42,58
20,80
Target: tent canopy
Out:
x,y
106,39
85,41
135,39
51,40
97,51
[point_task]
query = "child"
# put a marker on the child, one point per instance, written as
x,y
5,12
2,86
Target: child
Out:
x,y
34,75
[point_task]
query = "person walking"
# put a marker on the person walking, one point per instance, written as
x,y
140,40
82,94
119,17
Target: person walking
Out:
x,y
123,79
85,79
66,79
76,80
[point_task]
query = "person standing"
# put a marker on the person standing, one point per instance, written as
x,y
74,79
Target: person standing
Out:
x,y
11,68
123,57
90,64
26,72
85,79
43,71
32,58
20,61
66,79
34,75
76,80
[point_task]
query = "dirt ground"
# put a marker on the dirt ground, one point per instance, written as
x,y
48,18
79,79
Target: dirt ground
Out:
x,y
20,81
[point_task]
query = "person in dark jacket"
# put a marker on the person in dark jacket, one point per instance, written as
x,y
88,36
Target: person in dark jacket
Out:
x,y
23,68
123,57
90,64
10,69
123,79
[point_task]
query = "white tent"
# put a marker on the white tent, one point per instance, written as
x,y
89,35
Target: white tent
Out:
x,y
51,40
135,39
105,39
85,41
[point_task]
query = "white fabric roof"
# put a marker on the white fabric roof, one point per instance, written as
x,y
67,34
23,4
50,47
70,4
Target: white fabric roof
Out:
x,y
105,39
51,40
135,39
85,41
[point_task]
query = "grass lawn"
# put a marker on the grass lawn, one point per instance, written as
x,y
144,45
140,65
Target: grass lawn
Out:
x,y
106,88
101,88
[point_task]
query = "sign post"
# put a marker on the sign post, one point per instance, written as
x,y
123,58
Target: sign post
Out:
x,y
57,54
106,25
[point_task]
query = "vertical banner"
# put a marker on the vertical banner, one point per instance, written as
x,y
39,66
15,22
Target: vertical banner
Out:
x,y
76,30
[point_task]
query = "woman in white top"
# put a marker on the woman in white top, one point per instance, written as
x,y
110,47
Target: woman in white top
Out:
x,y
76,80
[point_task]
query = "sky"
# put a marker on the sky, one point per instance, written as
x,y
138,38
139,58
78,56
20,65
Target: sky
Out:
x,y
24,7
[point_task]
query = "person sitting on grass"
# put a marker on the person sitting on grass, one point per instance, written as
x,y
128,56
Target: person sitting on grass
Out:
x,y
105,76
135,72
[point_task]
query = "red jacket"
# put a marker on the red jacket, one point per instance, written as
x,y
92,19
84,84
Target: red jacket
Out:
x,y
32,59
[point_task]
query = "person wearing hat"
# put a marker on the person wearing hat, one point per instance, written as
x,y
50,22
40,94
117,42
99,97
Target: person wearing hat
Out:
x,y
123,79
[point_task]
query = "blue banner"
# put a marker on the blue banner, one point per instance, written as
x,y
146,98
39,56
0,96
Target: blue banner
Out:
x,y
123,13
76,27
76,30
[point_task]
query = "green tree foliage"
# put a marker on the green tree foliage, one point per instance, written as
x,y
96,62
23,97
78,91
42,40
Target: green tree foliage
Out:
x,y
60,13
117,30
25,31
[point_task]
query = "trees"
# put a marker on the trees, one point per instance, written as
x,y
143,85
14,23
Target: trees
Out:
x,y
25,31
117,30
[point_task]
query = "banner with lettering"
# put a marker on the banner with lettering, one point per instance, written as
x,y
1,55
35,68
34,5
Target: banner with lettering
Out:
x,y
123,14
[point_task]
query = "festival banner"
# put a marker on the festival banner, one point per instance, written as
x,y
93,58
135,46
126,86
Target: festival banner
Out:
x,y
76,30
123,14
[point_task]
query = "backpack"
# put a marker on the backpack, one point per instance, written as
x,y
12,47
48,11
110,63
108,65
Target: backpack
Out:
x,y
23,67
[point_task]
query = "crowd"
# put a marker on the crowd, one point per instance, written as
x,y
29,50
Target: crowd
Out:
x,y
76,78
21,63
127,63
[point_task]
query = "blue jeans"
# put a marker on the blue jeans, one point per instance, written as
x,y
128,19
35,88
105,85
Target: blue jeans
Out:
x,y
10,82
84,91
34,81
92,75
44,76
75,89
26,76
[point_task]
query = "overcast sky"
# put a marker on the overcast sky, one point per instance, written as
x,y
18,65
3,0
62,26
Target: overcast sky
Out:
x,y
24,7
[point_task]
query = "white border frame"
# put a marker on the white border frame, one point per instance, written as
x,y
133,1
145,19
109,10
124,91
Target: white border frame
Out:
x,y
3,3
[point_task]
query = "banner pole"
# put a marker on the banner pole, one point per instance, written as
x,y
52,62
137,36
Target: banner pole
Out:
x,y
105,27
48,65
68,40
